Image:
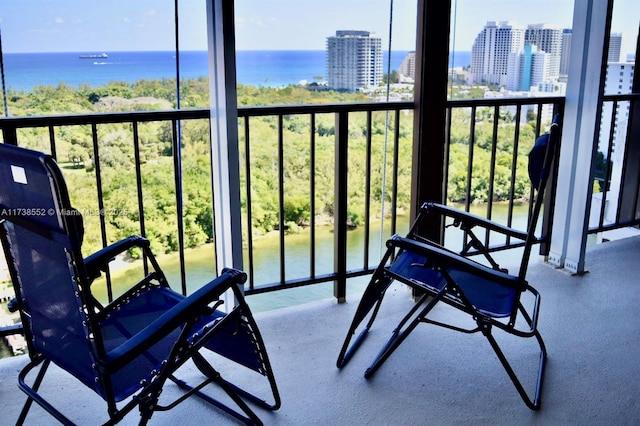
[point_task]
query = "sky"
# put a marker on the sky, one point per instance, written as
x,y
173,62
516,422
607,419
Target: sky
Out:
x,y
117,25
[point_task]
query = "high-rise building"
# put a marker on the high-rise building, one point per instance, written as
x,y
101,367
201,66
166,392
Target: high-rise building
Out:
x,y
408,67
548,39
527,69
565,51
354,60
491,50
619,80
615,46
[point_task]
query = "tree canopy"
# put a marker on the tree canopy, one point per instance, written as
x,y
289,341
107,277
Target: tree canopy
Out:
x,y
116,154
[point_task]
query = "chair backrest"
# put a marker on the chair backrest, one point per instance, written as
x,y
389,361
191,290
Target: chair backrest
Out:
x,y
41,236
541,159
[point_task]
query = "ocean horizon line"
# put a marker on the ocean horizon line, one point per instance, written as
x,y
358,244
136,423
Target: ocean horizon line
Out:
x,y
271,68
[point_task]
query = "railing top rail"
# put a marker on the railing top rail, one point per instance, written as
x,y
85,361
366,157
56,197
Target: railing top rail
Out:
x,y
103,118
196,113
620,98
203,113
491,102
323,108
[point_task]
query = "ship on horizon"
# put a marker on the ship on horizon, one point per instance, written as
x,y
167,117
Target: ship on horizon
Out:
x,y
97,56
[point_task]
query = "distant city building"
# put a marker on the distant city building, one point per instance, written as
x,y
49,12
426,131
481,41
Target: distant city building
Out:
x,y
619,80
565,51
615,47
527,69
407,69
491,51
354,60
548,39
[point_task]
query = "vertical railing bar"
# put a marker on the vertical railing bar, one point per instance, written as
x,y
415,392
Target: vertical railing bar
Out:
x,y
492,168
52,142
312,194
281,196
447,151
632,106
472,141
632,113
548,206
341,205
614,113
538,130
213,187
514,164
367,190
396,161
103,226
10,134
177,174
247,161
136,153
627,141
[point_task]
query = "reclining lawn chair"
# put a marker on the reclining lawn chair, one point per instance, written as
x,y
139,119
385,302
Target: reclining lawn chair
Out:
x,y
487,293
127,350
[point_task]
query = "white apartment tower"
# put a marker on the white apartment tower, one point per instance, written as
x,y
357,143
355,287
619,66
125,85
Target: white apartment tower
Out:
x,y
528,68
408,67
354,60
491,50
565,51
548,39
615,47
619,80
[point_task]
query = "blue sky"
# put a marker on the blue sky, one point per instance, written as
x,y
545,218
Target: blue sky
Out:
x,y
96,26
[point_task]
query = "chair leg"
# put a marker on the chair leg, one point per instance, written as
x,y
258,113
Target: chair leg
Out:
x,y
35,387
32,392
231,390
399,334
369,303
534,403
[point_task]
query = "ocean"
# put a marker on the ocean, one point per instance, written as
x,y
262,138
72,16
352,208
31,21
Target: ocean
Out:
x,y
275,68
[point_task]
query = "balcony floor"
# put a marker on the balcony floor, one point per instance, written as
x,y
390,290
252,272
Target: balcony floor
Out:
x,y
590,325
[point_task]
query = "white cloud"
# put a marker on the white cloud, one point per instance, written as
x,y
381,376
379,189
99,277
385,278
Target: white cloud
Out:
x,y
126,20
59,20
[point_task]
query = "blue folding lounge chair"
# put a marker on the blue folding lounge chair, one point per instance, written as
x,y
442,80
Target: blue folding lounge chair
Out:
x,y
486,292
127,350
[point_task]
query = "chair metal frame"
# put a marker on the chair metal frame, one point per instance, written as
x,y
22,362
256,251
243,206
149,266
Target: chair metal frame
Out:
x,y
190,325
438,274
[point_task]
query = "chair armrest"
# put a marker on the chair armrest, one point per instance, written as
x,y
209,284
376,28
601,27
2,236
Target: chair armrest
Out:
x,y
190,308
98,261
469,220
444,259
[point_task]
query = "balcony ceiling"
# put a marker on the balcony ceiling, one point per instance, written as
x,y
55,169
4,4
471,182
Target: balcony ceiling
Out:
x,y
590,324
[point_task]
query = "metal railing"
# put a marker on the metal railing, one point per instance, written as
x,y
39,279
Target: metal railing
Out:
x,y
530,118
376,128
611,190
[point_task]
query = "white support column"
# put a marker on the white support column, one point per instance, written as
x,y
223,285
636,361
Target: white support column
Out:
x,y
224,135
579,135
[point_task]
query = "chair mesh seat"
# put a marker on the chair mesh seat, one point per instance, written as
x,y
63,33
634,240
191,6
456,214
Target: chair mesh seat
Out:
x,y
486,296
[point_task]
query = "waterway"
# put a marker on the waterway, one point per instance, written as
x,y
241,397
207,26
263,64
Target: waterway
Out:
x,y
200,261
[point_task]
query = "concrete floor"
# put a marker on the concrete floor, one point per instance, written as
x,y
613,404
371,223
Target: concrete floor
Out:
x,y
590,325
